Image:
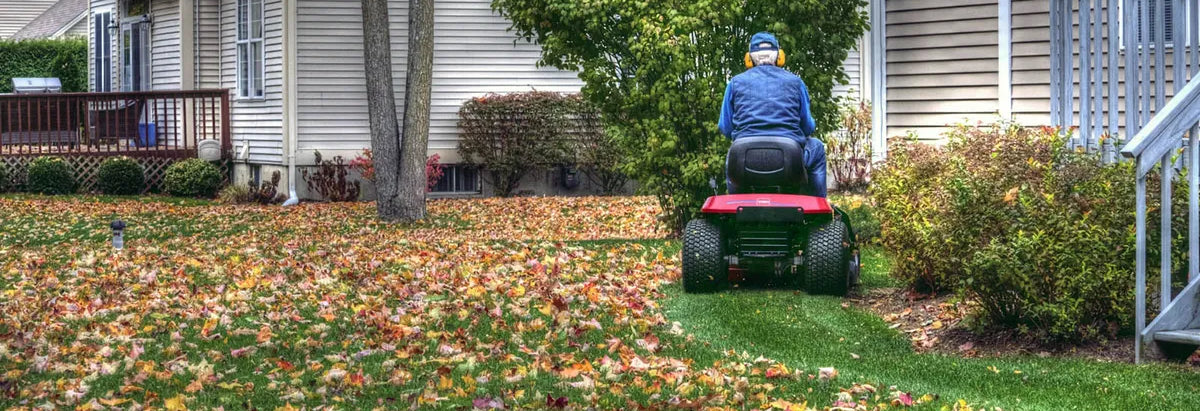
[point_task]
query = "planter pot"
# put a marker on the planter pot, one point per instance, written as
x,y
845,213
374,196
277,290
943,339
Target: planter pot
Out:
x,y
209,150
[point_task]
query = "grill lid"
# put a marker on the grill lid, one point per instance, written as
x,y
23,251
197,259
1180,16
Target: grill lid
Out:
x,y
36,85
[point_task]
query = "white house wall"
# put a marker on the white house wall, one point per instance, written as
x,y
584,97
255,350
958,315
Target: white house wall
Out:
x,y
256,122
474,54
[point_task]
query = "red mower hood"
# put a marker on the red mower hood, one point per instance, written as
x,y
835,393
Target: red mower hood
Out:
x,y
728,204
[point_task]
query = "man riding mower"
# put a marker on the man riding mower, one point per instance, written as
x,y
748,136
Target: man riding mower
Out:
x,y
775,225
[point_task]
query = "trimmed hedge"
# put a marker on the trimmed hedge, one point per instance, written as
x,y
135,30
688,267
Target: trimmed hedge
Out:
x,y
192,178
66,59
510,135
121,176
50,175
1040,237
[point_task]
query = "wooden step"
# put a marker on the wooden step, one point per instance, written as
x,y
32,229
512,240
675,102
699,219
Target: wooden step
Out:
x,y
1188,337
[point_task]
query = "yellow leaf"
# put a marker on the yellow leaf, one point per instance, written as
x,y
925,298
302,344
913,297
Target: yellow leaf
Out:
x,y
113,402
175,404
445,383
476,291
1012,195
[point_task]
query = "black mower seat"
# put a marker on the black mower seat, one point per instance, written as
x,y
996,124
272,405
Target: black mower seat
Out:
x,y
767,165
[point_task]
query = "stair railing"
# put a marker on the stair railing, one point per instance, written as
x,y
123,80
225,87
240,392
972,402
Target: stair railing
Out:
x,y
1156,145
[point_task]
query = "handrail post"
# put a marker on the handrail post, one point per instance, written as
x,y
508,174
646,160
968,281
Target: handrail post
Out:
x,y
1165,234
1140,290
226,142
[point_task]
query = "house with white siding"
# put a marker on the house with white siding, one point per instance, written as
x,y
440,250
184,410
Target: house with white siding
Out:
x,y
65,18
945,62
295,69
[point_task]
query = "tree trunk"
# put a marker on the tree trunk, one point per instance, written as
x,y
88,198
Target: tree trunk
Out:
x,y
415,143
381,107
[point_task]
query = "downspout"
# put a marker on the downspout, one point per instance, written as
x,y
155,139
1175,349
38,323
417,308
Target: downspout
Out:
x,y
289,97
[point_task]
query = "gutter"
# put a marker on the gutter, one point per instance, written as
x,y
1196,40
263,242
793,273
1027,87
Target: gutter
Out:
x,y
290,105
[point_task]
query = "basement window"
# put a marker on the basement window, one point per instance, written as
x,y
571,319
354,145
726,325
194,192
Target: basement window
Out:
x,y
458,179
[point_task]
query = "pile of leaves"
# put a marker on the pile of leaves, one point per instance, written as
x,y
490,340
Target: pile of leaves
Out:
x,y
489,304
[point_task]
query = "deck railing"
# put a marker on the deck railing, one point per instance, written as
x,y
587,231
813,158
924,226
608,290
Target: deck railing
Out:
x,y
145,123
1157,146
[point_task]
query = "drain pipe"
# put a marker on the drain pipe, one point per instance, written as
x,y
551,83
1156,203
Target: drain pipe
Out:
x,y
289,95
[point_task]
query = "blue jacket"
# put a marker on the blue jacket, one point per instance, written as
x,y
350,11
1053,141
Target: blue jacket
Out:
x,y
766,101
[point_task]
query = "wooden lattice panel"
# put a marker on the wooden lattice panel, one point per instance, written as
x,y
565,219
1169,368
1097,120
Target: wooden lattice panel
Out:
x,y
87,168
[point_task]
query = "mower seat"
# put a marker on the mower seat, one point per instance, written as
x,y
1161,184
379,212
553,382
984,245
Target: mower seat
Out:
x,y
767,165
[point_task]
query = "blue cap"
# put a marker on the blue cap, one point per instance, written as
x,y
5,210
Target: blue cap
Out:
x,y
756,42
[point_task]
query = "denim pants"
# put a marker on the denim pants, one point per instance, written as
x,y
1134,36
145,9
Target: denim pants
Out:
x,y
814,162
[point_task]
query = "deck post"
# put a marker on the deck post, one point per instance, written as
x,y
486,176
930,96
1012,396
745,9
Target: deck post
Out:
x,y
1140,289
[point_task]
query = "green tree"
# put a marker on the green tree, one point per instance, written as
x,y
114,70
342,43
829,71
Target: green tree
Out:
x,y
658,70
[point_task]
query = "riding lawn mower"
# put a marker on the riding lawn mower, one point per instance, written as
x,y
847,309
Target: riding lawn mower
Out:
x,y
772,231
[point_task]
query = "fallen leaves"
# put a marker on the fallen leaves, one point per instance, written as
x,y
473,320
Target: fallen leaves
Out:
x,y
489,304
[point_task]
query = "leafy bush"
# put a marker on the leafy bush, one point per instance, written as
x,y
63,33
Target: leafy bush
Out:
x,y
365,164
510,135
120,176
330,179
266,192
50,175
66,59
657,72
862,216
192,178
433,172
234,194
5,178
1040,236
598,153
849,149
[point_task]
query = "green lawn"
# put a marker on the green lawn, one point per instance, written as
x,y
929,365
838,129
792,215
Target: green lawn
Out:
x,y
806,332
489,302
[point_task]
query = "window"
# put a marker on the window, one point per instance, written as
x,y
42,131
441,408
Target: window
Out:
x,y
458,179
250,71
102,52
1167,21
135,54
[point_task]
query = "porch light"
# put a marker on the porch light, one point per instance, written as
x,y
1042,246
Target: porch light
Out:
x,y
118,229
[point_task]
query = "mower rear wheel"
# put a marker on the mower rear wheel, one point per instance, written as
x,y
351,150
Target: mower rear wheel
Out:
x,y
827,259
704,266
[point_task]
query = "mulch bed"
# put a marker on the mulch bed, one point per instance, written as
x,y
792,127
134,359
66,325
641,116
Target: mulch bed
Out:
x,y
936,324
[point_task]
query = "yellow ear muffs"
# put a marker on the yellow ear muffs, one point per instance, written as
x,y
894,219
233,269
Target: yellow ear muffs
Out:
x,y
778,62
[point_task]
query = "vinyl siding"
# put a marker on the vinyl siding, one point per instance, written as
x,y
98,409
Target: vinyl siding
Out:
x,y
853,67
474,54
15,14
164,45
80,29
942,65
1031,65
256,122
208,44
102,6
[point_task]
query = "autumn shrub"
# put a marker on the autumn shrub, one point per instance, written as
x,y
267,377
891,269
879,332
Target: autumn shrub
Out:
x,y
235,194
192,178
50,175
657,71
433,171
365,165
1039,236
330,179
862,216
120,176
5,178
849,150
598,154
510,135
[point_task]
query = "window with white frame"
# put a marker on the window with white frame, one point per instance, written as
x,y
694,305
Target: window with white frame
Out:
x,y
1167,21
250,70
458,179
102,52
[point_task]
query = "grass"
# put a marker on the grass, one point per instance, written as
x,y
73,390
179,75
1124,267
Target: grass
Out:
x,y
806,332
430,314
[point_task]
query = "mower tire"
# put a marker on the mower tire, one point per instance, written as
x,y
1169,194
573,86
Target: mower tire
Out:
x,y
827,259
705,269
